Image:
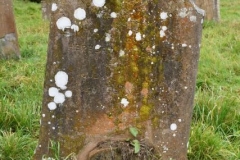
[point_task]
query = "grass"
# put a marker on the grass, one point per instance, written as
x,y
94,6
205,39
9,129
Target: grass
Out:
x,y
215,133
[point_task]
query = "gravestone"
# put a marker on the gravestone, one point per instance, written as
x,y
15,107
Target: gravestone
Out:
x,y
117,67
212,8
8,34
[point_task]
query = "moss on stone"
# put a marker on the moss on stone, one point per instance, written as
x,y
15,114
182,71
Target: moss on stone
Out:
x,y
145,112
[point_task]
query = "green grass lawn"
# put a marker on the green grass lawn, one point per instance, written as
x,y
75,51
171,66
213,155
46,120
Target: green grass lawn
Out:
x,y
215,133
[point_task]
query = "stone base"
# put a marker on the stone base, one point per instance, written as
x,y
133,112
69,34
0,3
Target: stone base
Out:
x,y
122,150
9,47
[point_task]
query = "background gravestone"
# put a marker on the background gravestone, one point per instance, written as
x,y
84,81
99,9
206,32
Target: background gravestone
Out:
x,y
8,35
115,65
212,8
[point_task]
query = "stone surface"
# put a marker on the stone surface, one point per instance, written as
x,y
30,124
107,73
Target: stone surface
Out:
x,y
46,9
137,69
212,8
8,35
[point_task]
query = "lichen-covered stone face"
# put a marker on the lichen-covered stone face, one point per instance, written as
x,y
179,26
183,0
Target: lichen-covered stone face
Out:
x,y
116,64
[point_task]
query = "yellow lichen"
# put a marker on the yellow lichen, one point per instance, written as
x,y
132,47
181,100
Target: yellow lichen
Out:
x,y
145,112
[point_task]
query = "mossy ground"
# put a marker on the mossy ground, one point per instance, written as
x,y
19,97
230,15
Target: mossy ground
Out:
x,y
215,130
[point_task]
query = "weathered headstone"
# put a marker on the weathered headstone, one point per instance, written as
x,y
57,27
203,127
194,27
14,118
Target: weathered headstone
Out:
x,y
8,35
117,65
212,8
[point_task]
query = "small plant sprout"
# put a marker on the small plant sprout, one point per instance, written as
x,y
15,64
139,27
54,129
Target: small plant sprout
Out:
x,y
133,131
136,145
55,147
135,142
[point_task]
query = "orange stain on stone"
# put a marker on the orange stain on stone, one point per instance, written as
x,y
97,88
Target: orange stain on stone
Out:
x,y
128,87
103,125
144,92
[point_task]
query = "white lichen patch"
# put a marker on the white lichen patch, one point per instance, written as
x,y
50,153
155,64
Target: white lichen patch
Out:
x,y
108,37
184,45
163,15
124,102
164,28
130,32
52,106
162,33
98,3
121,53
173,126
193,18
68,94
61,79
97,46
80,14
113,15
59,98
52,91
75,28
63,22
48,158
138,36
183,12
54,7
